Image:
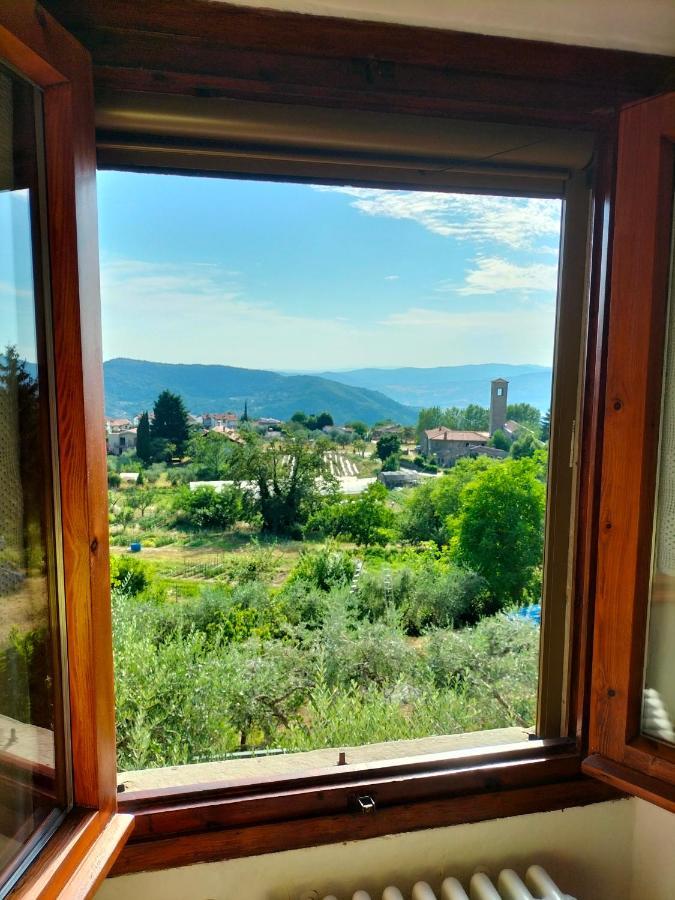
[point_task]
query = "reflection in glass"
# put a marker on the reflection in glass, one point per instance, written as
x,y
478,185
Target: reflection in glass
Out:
x,y
658,711
32,782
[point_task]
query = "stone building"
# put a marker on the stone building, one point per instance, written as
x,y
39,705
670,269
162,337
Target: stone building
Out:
x,y
447,445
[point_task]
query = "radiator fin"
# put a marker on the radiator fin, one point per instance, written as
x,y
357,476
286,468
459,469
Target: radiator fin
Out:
x,y
538,885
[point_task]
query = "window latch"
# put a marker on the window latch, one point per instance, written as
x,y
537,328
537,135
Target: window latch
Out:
x,y
366,804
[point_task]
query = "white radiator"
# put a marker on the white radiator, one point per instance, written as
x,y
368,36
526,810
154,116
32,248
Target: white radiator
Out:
x,y
538,885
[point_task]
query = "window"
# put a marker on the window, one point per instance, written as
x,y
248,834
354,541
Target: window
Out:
x,y
284,523
34,762
210,119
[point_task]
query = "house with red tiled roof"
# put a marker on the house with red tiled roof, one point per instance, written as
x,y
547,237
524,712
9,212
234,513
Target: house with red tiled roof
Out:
x,y
447,444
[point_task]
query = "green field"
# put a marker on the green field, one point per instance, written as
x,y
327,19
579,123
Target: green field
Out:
x,y
374,617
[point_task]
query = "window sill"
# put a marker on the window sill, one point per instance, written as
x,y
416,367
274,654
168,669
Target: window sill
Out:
x,y
182,826
77,858
285,764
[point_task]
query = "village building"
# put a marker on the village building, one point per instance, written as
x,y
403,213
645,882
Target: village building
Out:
x,y
269,421
117,442
226,419
115,425
446,445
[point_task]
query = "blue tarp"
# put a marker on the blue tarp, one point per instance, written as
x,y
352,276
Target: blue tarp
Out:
x,y
530,613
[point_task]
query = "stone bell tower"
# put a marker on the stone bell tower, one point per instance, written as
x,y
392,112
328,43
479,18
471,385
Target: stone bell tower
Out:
x,y
498,395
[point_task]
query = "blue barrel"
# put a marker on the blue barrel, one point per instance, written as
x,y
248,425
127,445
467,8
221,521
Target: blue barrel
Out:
x,y
135,547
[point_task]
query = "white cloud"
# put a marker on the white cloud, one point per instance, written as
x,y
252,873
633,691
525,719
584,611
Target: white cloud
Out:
x,y
391,277
193,312
493,275
516,222
199,313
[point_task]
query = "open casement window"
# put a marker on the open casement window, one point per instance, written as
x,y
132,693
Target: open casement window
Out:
x,y
179,823
59,830
212,122
632,736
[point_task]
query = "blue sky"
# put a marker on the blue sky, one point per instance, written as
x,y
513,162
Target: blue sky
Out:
x,y
299,277
17,304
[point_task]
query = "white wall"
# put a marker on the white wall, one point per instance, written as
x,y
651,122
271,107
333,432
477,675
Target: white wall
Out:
x,y
653,853
644,25
587,849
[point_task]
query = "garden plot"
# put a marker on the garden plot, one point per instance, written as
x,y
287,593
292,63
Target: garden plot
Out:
x,y
341,466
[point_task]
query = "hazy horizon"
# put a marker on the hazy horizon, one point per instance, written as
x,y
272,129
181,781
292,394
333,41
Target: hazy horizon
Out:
x,y
286,371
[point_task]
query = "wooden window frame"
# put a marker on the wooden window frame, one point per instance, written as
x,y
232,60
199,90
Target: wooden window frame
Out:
x,y
189,48
619,753
81,851
171,822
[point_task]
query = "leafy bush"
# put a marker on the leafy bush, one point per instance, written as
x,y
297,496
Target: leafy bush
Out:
x,y
445,599
128,573
430,595
325,568
208,508
364,653
495,662
168,693
268,683
258,565
364,519
392,463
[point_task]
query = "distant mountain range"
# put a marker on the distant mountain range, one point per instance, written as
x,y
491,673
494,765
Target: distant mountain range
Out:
x,y
372,395
453,385
132,385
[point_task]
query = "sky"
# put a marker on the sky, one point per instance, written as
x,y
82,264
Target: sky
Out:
x,y
306,278
17,302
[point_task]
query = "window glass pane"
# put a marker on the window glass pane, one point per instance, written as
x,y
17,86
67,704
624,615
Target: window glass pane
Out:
x,y
32,759
658,711
327,429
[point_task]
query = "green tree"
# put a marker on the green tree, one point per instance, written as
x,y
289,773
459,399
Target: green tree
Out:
x,y
171,420
388,445
525,414
364,519
358,427
244,417
210,454
546,426
428,418
392,463
524,447
500,440
21,463
208,508
288,477
143,440
323,420
430,508
499,530
475,418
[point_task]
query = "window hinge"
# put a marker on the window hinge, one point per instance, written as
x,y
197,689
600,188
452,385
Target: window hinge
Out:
x,y
573,444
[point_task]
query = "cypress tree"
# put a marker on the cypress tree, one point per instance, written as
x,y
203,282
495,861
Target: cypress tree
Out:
x,y
546,426
143,440
171,421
